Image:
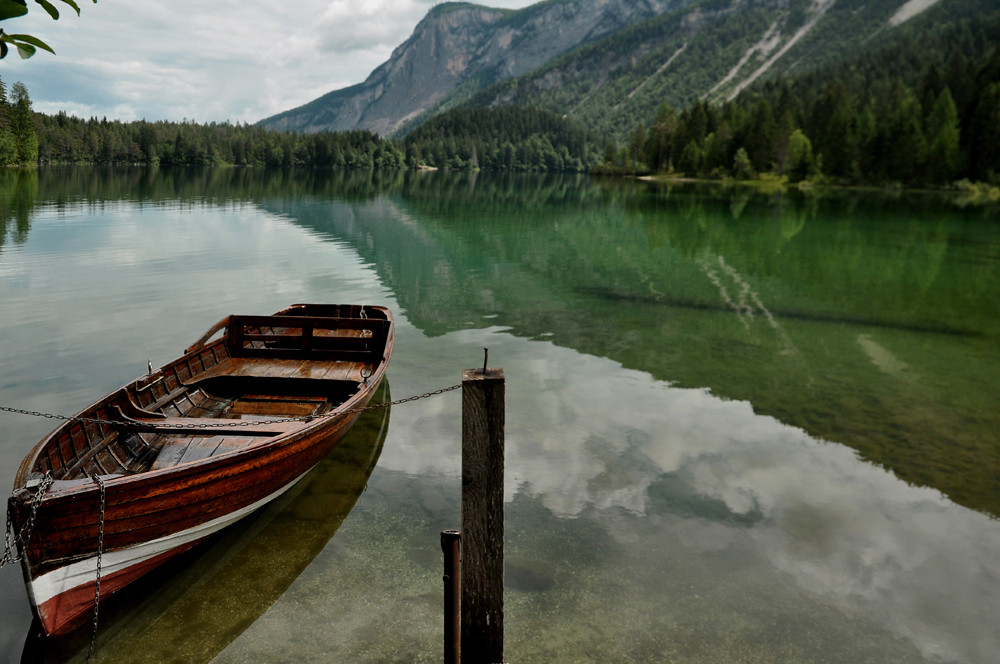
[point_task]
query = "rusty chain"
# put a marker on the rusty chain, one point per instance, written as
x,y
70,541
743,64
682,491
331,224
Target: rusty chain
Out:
x,y
100,553
228,424
20,539
15,542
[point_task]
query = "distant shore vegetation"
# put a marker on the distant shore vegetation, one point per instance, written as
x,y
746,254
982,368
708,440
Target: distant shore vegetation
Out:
x,y
505,139
937,128
856,127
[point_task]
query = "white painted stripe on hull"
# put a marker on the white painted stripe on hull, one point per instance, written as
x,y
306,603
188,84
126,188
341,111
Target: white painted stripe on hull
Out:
x,y
61,580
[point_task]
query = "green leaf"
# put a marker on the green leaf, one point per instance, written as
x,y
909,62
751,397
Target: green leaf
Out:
x,y
3,50
24,50
72,4
12,9
50,8
28,40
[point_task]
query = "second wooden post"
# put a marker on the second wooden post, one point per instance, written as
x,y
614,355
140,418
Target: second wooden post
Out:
x,y
482,515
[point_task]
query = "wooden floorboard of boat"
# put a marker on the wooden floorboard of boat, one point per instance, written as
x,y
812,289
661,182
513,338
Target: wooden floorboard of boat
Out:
x,y
200,448
282,368
183,449
172,452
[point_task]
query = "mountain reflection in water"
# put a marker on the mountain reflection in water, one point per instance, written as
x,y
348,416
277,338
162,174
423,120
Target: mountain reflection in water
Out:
x,y
740,426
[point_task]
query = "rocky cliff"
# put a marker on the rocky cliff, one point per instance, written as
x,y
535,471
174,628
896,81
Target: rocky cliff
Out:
x,y
459,49
608,64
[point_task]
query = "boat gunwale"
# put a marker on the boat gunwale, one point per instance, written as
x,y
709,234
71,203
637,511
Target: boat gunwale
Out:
x,y
265,445
309,427
164,502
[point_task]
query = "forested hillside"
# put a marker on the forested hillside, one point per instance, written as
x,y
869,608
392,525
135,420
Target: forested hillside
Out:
x,y
609,64
507,139
504,139
714,50
918,106
923,110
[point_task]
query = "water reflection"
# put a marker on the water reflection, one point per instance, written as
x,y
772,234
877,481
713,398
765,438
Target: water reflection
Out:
x,y
693,375
18,196
807,306
193,608
678,496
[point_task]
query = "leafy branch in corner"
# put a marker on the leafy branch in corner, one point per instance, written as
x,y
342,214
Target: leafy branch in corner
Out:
x,y
26,44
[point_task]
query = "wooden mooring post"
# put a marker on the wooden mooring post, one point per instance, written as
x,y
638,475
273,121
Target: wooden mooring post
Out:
x,y
482,555
451,546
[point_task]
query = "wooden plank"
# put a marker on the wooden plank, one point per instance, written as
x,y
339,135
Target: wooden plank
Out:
x,y
200,448
482,515
90,454
263,367
262,405
171,452
315,322
283,336
231,443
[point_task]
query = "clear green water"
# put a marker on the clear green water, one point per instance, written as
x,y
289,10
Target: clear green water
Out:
x,y
740,427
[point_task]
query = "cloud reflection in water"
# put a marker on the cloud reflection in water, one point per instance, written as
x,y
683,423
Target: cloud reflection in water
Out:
x,y
632,452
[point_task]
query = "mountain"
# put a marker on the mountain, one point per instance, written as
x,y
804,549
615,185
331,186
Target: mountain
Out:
x,y
713,50
459,48
608,64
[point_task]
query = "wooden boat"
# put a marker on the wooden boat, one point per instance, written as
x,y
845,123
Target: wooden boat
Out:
x,y
174,456
189,608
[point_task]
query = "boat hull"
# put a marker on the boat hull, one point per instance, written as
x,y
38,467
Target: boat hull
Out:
x,y
132,522
147,523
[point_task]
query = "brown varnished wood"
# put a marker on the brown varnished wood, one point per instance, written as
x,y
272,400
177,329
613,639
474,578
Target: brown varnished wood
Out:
x,y
164,477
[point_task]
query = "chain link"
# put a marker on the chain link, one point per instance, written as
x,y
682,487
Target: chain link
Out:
x,y
100,552
228,424
16,542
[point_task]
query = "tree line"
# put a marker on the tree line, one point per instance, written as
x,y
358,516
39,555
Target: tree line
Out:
x,y
28,138
505,139
65,139
923,124
923,111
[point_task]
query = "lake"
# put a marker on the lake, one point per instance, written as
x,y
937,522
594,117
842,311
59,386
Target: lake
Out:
x,y
740,426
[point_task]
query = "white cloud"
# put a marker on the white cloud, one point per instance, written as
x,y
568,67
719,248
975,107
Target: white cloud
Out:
x,y
225,60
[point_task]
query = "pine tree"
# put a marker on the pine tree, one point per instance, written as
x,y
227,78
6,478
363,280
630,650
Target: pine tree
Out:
x,y
943,139
23,126
8,144
985,140
760,141
834,134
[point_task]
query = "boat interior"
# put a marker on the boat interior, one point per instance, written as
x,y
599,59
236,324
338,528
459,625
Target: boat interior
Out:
x,y
267,375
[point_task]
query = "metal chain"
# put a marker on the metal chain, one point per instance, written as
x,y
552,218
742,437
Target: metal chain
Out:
x,y
228,424
100,551
35,413
20,539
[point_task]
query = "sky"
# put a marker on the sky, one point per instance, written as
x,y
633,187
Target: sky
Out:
x,y
214,61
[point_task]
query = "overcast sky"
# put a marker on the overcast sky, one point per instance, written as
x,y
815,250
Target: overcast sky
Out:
x,y
206,60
